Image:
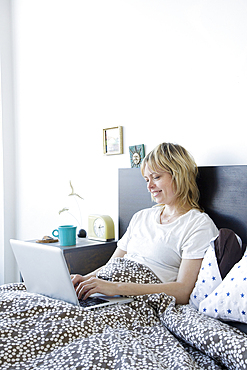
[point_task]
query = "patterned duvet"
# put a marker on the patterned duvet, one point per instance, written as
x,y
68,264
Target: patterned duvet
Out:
x,y
152,332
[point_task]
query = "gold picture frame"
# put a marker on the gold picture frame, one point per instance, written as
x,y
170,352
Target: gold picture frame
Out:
x,y
113,140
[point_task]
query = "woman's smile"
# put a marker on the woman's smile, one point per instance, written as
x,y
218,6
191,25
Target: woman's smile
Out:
x,y
156,193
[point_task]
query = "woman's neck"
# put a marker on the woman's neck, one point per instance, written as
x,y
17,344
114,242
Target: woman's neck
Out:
x,y
172,213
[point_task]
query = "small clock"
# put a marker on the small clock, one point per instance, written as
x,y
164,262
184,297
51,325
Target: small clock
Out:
x,y
101,227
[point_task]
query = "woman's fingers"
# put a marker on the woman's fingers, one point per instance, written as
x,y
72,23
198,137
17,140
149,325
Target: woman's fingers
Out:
x,y
94,285
84,288
77,279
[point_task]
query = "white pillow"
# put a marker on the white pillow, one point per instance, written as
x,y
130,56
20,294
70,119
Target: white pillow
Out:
x,y
229,300
208,278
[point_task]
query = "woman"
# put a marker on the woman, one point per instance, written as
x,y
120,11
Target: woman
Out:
x,y
170,238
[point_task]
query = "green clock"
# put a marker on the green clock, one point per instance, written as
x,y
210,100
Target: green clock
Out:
x,y
101,227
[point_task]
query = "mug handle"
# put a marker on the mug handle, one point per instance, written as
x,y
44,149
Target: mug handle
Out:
x,y
57,233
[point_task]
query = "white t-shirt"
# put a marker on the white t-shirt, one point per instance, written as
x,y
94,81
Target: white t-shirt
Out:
x,y
161,247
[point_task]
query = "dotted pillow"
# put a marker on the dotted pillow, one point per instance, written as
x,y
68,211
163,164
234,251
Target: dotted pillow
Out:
x,y
228,300
208,279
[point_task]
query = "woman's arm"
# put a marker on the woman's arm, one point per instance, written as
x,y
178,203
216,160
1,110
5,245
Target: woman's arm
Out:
x,y
180,289
76,279
118,253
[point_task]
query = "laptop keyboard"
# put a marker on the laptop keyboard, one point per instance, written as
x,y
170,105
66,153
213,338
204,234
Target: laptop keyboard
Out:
x,y
91,301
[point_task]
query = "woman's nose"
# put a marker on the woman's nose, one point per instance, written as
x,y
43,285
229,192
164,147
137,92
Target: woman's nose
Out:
x,y
150,184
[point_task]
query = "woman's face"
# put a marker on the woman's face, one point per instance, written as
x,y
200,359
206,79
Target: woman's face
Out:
x,y
160,185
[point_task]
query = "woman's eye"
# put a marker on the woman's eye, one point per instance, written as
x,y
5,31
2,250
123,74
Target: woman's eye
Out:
x,y
156,177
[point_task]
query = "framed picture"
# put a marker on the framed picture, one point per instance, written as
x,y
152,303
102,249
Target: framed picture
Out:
x,y
137,153
113,140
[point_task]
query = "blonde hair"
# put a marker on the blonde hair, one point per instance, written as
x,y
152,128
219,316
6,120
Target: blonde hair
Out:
x,y
176,160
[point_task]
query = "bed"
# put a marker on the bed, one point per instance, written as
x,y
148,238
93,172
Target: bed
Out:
x,y
151,332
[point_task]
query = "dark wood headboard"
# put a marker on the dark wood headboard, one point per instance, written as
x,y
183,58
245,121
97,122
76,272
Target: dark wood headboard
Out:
x,y
223,192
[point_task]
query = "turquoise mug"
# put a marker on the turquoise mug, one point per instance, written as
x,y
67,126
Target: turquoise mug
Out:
x,y
66,235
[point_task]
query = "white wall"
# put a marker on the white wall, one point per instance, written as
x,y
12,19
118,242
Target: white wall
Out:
x,y
169,70
7,146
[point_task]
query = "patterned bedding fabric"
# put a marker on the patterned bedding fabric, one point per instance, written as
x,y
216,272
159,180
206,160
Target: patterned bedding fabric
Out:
x,y
149,333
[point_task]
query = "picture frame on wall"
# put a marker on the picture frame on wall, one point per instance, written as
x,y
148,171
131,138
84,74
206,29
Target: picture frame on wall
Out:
x,y
137,153
113,140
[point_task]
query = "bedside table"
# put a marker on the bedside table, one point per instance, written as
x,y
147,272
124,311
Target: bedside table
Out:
x,y
87,255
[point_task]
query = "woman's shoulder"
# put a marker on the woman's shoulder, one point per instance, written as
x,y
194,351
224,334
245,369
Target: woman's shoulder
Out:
x,y
200,217
146,212
196,213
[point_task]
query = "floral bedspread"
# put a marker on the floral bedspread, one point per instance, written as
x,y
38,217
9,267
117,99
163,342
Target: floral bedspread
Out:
x,y
152,332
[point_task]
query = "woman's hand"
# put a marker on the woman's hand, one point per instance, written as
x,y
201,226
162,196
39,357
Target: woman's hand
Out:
x,y
85,286
89,284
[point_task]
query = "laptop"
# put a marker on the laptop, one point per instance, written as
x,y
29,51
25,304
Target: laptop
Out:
x,y
45,271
